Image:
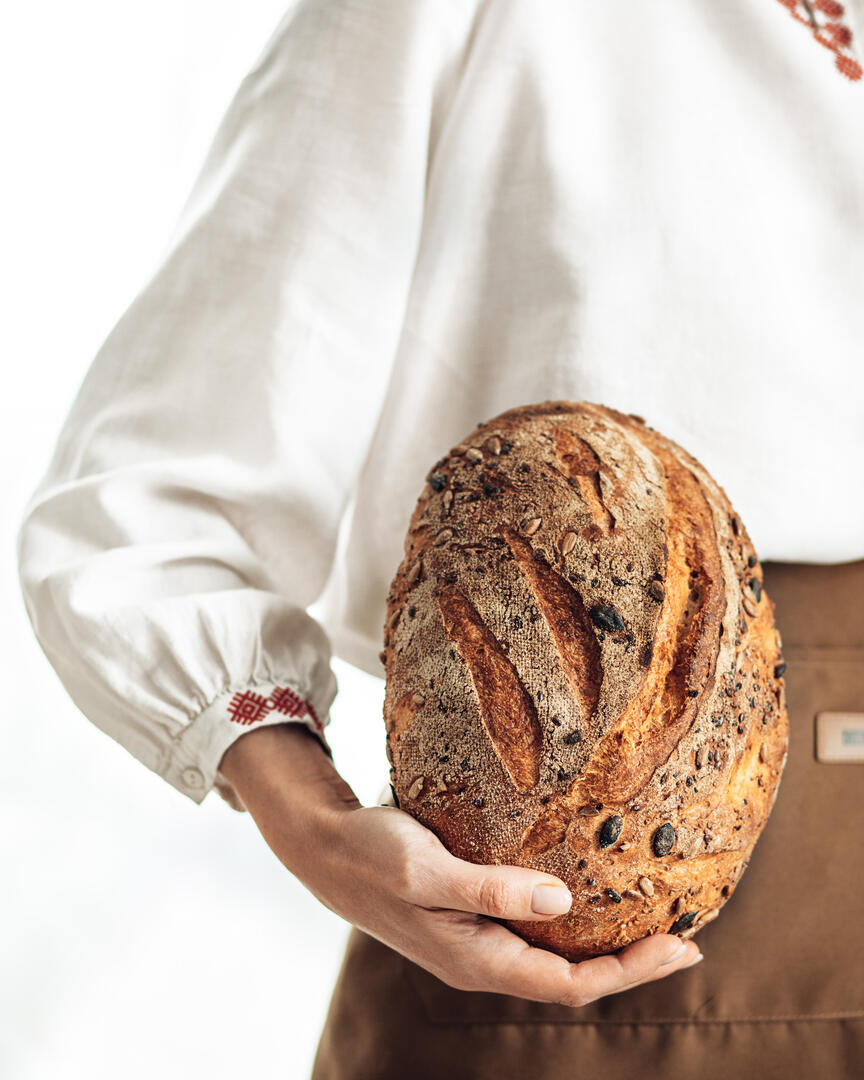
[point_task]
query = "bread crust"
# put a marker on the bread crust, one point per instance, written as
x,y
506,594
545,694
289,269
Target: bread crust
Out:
x,y
582,672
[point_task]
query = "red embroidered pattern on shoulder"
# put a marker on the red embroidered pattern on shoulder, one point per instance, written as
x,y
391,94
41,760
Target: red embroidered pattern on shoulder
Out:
x,y
246,707
825,19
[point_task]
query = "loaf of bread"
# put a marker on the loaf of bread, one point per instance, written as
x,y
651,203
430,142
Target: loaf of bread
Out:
x,y
583,674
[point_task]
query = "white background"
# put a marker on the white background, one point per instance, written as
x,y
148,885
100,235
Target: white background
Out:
x,y
140,935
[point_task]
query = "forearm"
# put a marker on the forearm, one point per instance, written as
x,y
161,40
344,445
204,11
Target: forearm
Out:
x,y
291,788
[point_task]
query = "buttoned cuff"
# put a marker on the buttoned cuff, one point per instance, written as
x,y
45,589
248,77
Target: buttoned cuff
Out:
x,y
192,764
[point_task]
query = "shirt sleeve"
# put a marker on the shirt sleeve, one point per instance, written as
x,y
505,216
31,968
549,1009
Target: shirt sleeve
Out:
x,y
190,510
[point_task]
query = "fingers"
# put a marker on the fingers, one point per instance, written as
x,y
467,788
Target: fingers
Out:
x,y
487,956
652,958
497,961
685,956
501,892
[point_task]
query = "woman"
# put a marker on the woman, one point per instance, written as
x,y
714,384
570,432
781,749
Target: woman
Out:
x,y
415,214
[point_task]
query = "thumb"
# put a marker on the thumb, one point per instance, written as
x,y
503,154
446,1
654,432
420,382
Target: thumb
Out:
x,y
501,892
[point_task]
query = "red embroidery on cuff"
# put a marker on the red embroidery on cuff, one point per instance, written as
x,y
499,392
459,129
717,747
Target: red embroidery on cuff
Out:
x,y
824,19
246,707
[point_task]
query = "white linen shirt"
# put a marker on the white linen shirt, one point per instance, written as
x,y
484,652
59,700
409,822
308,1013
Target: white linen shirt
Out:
x,y
414,215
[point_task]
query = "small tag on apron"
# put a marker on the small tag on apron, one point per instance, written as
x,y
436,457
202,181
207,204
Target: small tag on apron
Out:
x,y
839,737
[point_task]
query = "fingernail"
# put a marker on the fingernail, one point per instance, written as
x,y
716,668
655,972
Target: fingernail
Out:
x,y
679,952
551,899
695,960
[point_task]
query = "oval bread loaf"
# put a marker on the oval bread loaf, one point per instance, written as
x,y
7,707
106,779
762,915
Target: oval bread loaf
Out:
x,y
583,674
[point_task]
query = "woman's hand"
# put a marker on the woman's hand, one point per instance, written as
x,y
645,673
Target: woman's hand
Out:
x,y
380,869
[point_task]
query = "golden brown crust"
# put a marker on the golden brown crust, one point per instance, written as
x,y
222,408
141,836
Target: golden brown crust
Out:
x,y
572,638
505,706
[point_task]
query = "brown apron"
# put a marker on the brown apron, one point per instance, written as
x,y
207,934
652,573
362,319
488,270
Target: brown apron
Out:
x,y
780,993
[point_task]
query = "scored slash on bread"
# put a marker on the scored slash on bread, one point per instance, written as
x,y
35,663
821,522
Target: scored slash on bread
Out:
x,y
568,621
572,655
506,708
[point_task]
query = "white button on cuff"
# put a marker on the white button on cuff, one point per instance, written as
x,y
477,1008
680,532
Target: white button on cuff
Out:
x,y
192,777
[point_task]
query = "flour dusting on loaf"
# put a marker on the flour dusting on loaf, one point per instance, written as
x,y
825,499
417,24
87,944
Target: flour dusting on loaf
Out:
x,y
583,673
